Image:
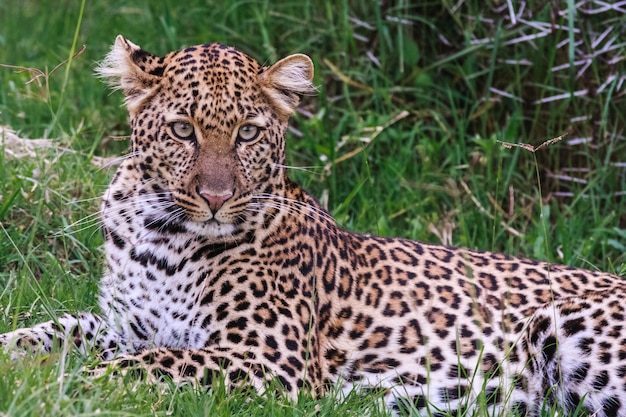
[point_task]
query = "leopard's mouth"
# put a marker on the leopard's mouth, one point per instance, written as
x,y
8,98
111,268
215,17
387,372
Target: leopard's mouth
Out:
x,y
205,222
226,219
202,217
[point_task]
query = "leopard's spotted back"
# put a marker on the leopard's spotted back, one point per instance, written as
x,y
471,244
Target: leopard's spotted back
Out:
x,y
217,261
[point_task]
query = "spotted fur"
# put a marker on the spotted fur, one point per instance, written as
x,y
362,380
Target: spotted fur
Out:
x,y
217,262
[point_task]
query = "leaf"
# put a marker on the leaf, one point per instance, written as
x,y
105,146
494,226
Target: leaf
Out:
x,y
411,53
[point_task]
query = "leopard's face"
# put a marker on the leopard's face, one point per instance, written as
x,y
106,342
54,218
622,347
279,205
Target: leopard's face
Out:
x,y
208,126
209,136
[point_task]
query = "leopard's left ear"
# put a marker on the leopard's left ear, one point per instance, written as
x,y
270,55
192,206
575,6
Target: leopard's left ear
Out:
x,y
129,68
287,80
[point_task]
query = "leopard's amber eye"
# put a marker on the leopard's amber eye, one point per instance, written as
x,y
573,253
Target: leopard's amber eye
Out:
x,y
248,133
182,130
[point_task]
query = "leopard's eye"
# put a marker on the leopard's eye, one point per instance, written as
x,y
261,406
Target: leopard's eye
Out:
x,y
248,133
182,130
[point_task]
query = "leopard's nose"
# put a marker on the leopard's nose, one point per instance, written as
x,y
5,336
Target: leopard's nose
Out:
x,y
216,201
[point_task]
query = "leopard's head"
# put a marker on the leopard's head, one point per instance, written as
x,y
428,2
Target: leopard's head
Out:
x,y
208,128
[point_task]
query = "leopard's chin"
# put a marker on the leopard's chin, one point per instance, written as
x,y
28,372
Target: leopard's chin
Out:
x,y
211,228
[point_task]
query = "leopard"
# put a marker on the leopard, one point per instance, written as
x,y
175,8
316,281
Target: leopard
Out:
x,y
220,266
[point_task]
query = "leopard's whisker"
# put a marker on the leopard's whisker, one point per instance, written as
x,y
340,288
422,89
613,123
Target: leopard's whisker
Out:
x,y
87,222
289,209
298,204
310,169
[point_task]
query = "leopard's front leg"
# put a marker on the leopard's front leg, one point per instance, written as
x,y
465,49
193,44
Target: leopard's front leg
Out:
x,y
84,331
199,367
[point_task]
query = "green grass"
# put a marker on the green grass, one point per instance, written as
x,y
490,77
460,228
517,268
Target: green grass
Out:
x,y
401,140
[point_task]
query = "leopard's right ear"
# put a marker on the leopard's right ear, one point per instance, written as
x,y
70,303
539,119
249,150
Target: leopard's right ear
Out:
x,y
129,68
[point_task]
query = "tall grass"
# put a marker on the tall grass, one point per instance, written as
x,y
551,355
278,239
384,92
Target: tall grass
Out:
x,y
404,138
